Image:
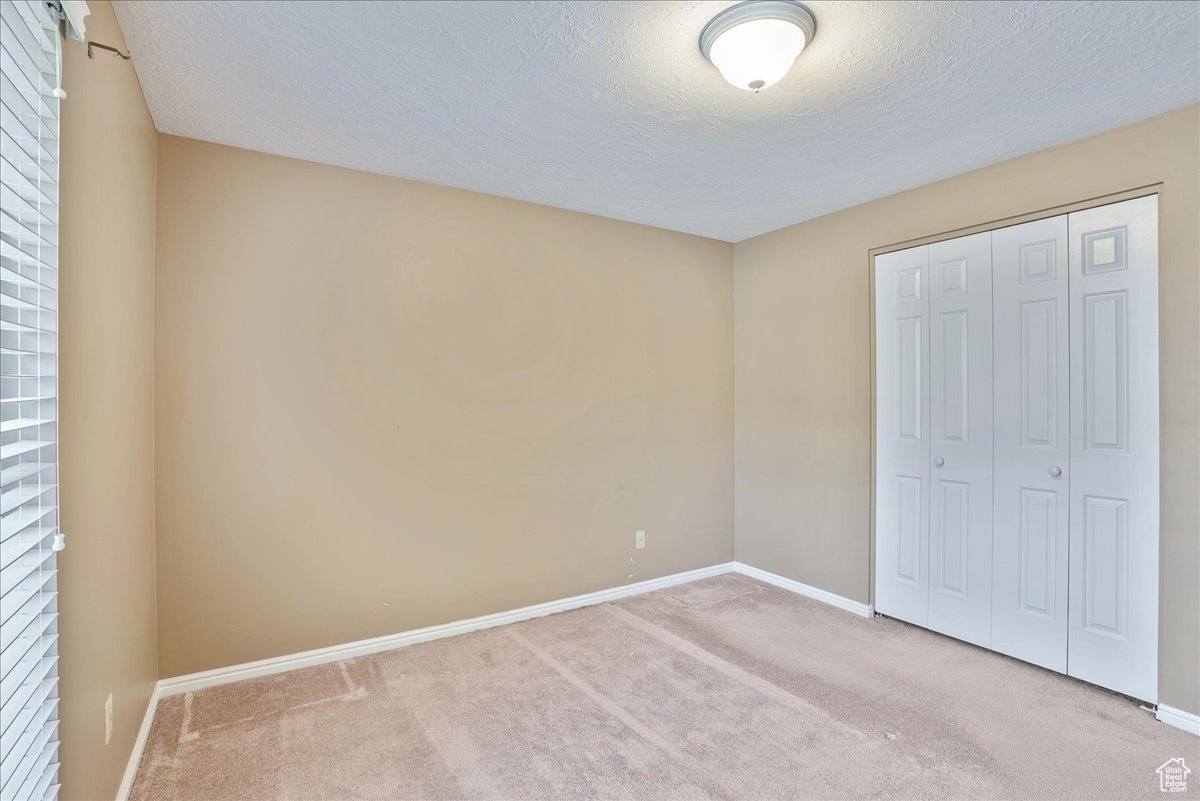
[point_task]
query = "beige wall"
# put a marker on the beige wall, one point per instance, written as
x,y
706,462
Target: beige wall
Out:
x,y
803,369
385,404
106,342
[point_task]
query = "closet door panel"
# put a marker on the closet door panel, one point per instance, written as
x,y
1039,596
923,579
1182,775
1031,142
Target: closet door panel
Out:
x,y
1113,623
1031,442
960,423
902,433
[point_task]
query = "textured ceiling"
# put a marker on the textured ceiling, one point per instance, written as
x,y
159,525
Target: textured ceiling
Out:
x,y
609,108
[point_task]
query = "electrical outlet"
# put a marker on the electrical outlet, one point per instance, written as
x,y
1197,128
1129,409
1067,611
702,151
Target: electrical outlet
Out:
x,y
108,719
639,539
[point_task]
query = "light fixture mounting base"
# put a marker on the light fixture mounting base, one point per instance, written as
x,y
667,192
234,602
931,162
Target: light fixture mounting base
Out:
x,y
758,9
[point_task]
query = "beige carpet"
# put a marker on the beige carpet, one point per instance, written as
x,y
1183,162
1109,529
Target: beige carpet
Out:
x,y
723,688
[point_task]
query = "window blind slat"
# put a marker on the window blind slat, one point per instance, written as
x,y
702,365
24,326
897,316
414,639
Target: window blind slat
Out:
x,y
24,108
24,123
13,298
25,321
32,581
19,282
34,172
23,735
25,732
22,519
27,656
27,49
27,204
33,349
24,446
23,22
25,68
20,279
14,325
12,257
30,238
21,471
46,755
15,179
31,666
20,545
12,499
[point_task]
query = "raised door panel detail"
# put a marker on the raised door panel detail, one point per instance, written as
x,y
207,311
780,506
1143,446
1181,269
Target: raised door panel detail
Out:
x,y
1038,566
1039,371
1106,565
1038,261
955,377
953,277
908,528
953,501
1104,251
1106,384
908,284
909,384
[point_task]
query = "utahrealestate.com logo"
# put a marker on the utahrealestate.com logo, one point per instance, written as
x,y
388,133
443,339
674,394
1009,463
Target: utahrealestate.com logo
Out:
x,y
1172,776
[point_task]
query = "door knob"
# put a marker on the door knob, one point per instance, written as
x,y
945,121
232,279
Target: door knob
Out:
x,y
938,461
1055,471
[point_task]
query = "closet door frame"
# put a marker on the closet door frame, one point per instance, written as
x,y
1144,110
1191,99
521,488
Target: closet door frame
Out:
x,y
1155,190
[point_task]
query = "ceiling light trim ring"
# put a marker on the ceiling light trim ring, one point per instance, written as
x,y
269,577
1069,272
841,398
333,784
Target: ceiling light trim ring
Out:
x,y
758,9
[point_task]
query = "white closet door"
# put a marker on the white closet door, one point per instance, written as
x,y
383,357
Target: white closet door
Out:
x,y
1113,630
960,427
1032,442
902,425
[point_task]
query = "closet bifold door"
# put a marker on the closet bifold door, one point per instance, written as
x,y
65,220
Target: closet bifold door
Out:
x,y
1114,482
1031,442
960,428
901,432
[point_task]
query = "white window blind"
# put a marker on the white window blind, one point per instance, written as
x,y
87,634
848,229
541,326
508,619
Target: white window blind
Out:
x,y
28,400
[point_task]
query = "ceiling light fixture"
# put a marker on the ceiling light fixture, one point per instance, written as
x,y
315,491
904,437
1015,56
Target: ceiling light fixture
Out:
x,y
754,43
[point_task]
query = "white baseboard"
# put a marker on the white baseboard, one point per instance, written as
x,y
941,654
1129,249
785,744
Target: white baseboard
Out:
x,y
139,745
210,678
857,607
318,656
1187,721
